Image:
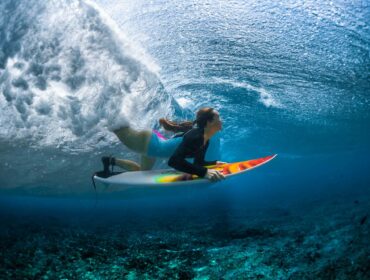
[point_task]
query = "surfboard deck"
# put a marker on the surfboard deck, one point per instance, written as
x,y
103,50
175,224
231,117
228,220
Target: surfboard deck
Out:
x,y
171,177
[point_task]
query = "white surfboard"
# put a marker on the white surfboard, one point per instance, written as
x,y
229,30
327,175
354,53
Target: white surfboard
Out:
x,y
171,177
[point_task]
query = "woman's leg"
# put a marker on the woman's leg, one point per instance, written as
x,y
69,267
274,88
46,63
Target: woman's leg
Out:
x,y
137,141
134,140
129,165
147,163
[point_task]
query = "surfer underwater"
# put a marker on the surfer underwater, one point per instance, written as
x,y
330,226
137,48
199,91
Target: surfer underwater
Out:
x,y
191,140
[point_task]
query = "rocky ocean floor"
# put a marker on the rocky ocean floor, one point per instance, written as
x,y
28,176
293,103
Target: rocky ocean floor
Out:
x,y
318,239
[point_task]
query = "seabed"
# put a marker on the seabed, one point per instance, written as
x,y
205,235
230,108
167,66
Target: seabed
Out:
x,y
322,239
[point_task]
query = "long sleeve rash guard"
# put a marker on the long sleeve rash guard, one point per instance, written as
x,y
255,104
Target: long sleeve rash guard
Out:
x,y
192,146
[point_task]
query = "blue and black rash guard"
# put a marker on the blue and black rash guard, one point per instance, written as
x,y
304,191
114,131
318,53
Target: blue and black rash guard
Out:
x,y
192,146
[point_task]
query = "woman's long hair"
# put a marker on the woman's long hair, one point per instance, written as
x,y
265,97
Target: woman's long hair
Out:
x,y
202,117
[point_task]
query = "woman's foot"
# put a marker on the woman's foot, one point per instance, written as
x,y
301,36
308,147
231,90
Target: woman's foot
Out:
x,y
117,122
108,161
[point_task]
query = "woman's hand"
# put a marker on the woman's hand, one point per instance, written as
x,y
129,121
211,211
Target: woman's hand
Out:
x,y
214,175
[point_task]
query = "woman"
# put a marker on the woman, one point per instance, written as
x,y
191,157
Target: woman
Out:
x,y
193,144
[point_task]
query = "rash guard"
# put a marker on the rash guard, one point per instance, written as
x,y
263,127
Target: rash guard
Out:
x,y
192,146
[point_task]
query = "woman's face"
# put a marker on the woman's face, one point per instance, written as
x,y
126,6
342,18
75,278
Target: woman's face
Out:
x,y
216,124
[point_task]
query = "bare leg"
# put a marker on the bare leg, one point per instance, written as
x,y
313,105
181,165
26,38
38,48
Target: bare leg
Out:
x,y
127,164
137,141
147,162
134,140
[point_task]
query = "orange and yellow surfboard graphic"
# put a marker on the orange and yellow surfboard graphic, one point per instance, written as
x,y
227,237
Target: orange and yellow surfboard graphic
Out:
x,y
226,169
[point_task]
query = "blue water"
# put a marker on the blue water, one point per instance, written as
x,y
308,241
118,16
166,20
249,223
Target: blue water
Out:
x,y
290,78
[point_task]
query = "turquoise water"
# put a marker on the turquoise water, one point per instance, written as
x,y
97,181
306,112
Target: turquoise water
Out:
x,y
290,78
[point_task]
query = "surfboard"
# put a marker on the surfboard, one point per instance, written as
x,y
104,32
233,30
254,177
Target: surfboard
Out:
x,y
171,177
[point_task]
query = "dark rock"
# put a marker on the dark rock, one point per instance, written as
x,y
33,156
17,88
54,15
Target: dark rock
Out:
x,y
185,274
88,254
139,263
250,232
363,220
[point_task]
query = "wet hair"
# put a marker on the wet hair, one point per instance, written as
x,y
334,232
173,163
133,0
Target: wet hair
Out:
x,y
173,126
202,117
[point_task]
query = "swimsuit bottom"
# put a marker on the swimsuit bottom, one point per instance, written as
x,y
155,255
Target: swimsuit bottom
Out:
x,y
161,147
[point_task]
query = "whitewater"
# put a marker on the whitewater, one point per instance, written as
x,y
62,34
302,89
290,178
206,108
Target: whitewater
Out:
x,y
70,68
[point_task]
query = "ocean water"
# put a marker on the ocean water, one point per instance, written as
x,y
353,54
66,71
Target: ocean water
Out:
x,y
289,77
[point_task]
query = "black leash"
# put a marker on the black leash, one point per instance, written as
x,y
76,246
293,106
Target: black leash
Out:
x,y
103,174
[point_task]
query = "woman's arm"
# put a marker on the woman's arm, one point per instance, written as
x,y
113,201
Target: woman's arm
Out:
x,y
178,161
193,142
199,159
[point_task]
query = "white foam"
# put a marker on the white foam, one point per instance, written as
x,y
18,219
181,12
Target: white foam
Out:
x,y
133,48
118,121
185,102
265,97
75,75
